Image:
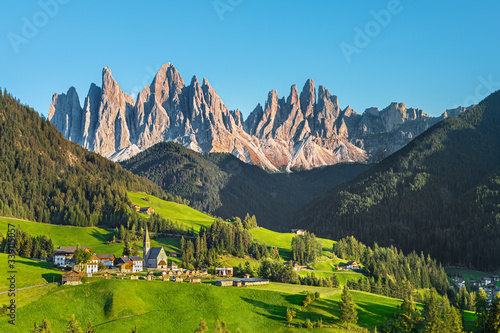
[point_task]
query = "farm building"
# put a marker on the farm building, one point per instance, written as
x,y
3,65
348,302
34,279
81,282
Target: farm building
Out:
x,y
130,264
173,266
225,283
195,279
106,259
71,278
300,232
147,210
351,265
242,282
224,269
136,207
254,282
178,279
134,277
150,276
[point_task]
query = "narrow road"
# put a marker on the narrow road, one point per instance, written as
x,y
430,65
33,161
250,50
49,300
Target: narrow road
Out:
x,y
38,285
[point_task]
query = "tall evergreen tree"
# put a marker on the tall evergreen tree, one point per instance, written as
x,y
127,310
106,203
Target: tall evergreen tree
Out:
x,y
493,323
432,312
481,310
348,312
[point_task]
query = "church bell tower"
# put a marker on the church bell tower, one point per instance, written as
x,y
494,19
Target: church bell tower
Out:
x,y
146,245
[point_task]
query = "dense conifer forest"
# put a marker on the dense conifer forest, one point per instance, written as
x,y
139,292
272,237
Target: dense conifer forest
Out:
x,y
222,185
46,178
439,194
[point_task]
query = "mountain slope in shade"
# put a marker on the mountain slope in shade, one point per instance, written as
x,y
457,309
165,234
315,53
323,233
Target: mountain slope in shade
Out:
x,y
305,130
439,194
46,178
223,185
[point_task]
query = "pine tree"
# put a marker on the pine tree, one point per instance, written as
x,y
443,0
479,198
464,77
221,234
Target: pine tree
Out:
x,y
90,328
431,312
46,326
481,310
203,326
135,249
348,313
290,314
73,326
126,250
493,323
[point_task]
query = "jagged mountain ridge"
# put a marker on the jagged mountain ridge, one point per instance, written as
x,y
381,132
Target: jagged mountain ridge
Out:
x,y
300,131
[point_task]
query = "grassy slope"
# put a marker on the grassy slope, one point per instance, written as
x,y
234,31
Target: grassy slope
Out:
x,y
467,273
341,276
29,272
172,210
95,238
328,265
118,305
283,240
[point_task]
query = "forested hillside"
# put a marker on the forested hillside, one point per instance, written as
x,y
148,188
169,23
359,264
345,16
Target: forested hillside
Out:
x,y
439,194
46,178
222,185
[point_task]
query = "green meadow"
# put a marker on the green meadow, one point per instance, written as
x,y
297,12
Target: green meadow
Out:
x,y
343,277
156,306
93,237
173,211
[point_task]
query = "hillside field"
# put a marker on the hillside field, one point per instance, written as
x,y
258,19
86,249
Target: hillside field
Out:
x,y
156,306
173,211
93,237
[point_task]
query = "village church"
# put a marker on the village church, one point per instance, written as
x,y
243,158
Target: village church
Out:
x,y
153,257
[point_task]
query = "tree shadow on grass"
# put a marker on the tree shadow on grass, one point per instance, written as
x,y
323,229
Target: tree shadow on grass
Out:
x,y
52,277
100,236
274,312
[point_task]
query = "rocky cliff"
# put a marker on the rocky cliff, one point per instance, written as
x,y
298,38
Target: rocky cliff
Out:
x,y
298,131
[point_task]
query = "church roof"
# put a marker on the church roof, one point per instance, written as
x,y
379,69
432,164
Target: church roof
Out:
x,y
154,252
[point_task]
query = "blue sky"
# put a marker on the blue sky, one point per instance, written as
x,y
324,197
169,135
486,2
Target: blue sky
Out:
x,y
431,55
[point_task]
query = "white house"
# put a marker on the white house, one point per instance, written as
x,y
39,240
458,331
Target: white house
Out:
x,y
92,266
63,254
351,265
130,264
137,263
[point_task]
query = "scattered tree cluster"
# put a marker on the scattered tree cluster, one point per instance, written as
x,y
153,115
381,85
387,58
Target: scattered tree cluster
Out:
x,y
306,248
29,246
217,239
391,269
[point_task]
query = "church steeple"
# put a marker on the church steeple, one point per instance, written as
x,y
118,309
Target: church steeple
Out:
x,y
146,245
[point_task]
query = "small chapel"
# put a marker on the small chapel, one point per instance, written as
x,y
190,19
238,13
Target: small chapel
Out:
x,y
154,258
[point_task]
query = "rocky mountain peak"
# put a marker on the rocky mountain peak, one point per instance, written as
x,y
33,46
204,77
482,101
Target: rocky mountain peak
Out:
x,y
294,95
308,98
301,130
